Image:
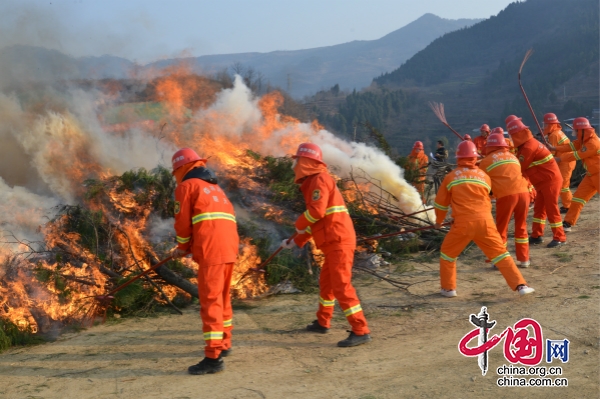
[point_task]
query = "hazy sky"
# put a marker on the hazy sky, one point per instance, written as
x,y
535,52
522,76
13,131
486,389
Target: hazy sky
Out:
x,y
147,30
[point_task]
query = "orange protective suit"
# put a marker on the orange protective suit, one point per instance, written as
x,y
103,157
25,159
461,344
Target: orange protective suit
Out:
x,y
512,193
466,189
587,150
480,142
539,166
418,161
556,138
205,225
326,219
511,145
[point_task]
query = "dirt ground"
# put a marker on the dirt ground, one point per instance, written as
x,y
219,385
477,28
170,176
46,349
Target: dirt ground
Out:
x,y
413,354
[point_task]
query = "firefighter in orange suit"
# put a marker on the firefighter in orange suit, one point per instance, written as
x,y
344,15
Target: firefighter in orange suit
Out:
x,y
466,190
587,149
480,140
509,142
539,166
512,193
327,220
418,161
556,137
205,225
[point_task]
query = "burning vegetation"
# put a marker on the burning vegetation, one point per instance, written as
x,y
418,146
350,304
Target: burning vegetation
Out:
x,y
91,203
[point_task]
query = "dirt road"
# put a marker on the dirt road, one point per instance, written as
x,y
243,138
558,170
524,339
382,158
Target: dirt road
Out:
x,y
413,354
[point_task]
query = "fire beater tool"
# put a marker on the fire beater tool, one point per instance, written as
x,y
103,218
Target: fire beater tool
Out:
x,y
438,110
261,268
481,321
399,233
527,55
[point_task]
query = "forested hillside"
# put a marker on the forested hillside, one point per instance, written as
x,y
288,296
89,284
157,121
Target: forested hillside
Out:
x,y
474,72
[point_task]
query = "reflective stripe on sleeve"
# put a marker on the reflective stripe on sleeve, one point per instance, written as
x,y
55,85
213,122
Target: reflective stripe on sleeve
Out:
x,y
309,217
213,216
565,138
440,207
541,161
572,146
308,230
336,209
183,240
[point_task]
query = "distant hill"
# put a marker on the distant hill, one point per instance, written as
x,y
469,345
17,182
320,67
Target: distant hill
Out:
x,y
474,72
351,65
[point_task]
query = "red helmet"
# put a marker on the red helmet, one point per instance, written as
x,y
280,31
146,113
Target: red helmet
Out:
x,y
581,123
497,130
418,144
309,150
184,156
496,140
466,149
515,126
467,137
484,128
550,118
511,118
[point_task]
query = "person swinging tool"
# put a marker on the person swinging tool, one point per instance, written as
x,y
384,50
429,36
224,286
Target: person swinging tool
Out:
x,y
327,220
480,140
538,165
466,190
587,149
205,225
417,162
556,137
512,193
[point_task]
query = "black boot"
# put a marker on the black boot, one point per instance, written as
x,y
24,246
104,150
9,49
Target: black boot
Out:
x,y
226,352
566,226
207,366
316,327
554,244
354,340
563,209
535,240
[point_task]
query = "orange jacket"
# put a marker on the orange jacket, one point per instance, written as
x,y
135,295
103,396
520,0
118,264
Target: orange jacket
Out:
x,y
504,170
537,164
511,145
589,152
467,189
417,161
326,217
480,143
205,221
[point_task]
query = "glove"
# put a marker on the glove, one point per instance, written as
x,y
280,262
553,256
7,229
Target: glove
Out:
x,y
300,231
286,245
179,253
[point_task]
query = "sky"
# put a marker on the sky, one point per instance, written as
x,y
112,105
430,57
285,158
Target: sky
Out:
x,y
148,30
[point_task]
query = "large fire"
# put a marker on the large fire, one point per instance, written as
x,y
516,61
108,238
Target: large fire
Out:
x,y
48,275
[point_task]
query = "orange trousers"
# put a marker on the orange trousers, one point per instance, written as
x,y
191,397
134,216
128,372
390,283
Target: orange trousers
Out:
x,y
485,235
335,282
546,204
518,205
566,169
215,307
588,187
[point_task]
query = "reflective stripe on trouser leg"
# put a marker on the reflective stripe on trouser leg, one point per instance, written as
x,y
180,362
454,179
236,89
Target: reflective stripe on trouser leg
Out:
x,y
551,193
539,215
521,236
455,241
326,298
489,241
213,284
587,189
566,169
338,264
